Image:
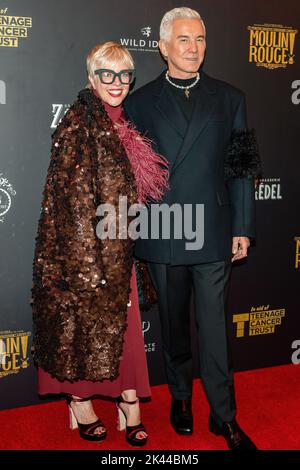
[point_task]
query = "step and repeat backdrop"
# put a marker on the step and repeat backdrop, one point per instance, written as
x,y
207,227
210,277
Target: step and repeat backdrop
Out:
x,y
252,44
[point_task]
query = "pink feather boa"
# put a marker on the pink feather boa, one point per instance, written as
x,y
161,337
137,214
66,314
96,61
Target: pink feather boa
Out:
x,y
150,169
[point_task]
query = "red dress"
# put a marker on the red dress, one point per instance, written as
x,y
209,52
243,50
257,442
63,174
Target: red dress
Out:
x,y
133,365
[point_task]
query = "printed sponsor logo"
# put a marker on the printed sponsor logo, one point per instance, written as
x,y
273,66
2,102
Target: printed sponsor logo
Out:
x,y
272,46
141,44
259,321
14,356
58,112
7,193
13,29
268,188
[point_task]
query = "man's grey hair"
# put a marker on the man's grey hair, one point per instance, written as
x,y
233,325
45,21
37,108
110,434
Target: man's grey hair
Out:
x,y
165,29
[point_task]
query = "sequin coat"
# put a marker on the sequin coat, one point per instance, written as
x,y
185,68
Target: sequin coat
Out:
x,y
81,284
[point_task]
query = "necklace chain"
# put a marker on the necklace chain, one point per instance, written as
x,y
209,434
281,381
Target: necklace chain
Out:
x,y
182,87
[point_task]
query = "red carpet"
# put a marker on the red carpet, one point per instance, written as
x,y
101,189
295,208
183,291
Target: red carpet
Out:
x,y
268,404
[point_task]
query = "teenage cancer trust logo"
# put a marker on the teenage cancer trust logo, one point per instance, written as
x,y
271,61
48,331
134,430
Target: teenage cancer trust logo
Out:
x,y
272,46
13,28
259,321
13,352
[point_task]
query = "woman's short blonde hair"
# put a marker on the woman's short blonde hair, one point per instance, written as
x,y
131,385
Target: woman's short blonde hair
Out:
x,y
108,55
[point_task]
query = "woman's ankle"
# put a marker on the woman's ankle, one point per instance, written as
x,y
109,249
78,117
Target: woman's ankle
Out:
x,y
129,396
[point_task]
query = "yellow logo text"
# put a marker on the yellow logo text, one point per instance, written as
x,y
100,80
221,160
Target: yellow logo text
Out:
x,y
259,321
271,46
13,28
13,352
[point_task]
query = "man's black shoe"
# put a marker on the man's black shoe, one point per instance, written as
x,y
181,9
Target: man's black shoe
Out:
x,y
181,416
234,435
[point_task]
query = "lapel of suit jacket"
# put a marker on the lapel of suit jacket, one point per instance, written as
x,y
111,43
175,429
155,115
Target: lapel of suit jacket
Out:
x,y
206,101
169,108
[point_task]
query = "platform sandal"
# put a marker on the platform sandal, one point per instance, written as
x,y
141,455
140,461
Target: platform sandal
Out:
x,y
86,431
130,431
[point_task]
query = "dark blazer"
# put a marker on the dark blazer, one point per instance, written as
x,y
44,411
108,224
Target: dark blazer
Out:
x,y
196,152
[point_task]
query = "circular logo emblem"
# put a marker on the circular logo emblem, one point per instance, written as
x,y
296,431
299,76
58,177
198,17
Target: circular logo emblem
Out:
x,y
5,202
6,193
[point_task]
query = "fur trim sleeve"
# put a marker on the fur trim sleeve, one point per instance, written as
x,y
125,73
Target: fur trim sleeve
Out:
x,y
243,159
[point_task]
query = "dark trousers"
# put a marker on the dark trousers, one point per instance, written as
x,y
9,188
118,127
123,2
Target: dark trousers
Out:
x,y
174,286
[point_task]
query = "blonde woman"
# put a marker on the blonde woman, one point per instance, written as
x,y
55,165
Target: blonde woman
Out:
x,y
88,336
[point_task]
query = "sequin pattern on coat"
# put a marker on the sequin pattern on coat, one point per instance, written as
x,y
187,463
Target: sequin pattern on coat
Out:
x,y
81,284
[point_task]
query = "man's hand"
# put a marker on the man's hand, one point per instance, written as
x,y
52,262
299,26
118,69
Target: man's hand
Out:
x,y
240,247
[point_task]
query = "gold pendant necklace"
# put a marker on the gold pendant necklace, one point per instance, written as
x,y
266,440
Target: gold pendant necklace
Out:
x,y
181,87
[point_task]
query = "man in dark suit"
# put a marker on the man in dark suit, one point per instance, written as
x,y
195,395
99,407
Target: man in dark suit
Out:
x,y
192,120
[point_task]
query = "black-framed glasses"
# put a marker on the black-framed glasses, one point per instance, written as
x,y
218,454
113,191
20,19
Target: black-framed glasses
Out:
x,y
108,76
